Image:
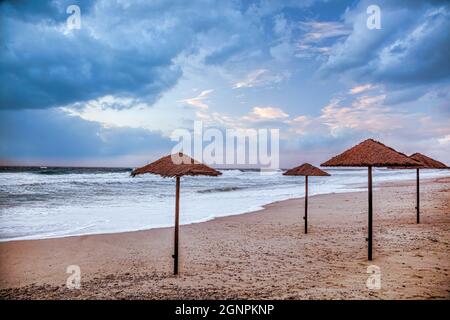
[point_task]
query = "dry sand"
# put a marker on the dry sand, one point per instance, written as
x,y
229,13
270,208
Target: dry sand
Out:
x,y
259,255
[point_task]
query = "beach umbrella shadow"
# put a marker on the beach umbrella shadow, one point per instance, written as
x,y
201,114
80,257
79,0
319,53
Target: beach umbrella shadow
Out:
x,y
306,170
176,165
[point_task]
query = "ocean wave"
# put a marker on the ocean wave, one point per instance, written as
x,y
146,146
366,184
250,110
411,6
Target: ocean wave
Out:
x,y
231,172
63,171
221,189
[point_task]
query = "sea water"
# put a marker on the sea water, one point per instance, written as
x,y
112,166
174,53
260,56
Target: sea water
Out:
x,y
37,203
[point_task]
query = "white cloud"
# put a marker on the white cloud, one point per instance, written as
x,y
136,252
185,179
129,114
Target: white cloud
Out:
x,y
302,125
259,78
317,31
313,42
366,113
198,101
251,79
444,140
112,111
256,117
370,116
361,88
265,113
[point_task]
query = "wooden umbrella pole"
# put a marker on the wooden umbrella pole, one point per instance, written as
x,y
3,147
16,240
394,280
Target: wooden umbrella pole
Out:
x,y
369,238
418,196
306,204
177,225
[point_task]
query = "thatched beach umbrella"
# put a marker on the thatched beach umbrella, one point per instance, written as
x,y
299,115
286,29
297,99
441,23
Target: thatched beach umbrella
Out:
x,y
370,153
305,170
176,165
425,163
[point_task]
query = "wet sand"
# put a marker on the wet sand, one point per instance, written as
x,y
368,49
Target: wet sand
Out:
x,y
258,255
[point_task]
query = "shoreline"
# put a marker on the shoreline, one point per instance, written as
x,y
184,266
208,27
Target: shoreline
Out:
x,y
260,208
255,255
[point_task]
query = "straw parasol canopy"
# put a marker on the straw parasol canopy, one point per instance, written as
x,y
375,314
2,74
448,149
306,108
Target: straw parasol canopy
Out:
x,y
305,170
424,163
427,162
370,153
176,165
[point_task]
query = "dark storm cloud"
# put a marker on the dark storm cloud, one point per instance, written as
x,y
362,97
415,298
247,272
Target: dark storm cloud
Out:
x,y
411,48
43,65
123,48
54,134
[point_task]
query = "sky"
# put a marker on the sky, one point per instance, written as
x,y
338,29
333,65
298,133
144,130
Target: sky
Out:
x,y
111,92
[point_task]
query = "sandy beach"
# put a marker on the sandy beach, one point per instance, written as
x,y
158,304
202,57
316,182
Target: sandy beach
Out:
x,y
258,255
